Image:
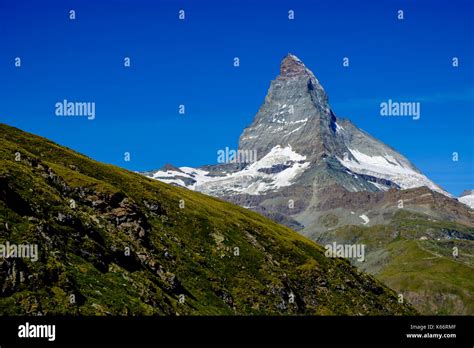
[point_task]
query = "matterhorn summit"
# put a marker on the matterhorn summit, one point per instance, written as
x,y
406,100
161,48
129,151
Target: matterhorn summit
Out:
x,y
307,160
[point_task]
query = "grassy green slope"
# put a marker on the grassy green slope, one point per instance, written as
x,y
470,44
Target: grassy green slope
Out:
x,y
414,256
215,257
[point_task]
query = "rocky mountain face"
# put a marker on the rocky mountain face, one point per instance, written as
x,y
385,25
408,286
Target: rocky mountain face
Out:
x,y
295,112
112,242
304,154
317,173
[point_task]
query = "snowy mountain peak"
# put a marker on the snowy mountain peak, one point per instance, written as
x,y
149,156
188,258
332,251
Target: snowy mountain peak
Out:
x,y
295,111
303,152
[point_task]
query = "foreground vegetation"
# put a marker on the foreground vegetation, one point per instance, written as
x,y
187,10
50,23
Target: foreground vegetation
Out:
x,y
112,242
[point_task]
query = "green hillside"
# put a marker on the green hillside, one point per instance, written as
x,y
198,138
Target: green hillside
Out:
x,y
414,256
112,242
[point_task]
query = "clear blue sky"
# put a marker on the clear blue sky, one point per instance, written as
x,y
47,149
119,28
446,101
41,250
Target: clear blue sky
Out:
x,y
191,63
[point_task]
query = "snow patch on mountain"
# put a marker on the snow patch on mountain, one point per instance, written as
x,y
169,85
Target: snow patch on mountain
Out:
x,y
387,167
468,199
339,128
279,168
365,218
